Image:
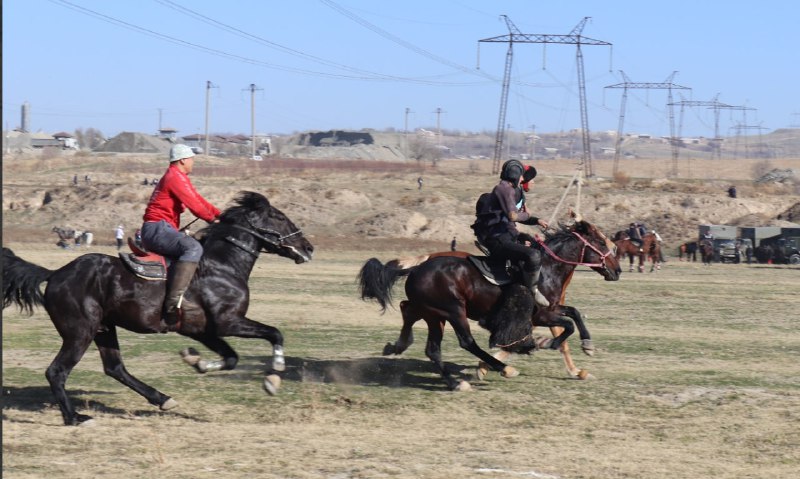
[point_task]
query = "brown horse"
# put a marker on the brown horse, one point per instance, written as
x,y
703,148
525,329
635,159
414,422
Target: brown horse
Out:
x,y
448,289
706,249
650,249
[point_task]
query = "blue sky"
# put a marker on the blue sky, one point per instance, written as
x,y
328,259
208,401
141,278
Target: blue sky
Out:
x,y
135,65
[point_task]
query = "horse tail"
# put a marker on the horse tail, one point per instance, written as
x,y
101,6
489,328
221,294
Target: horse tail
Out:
x,y
376,280
21,282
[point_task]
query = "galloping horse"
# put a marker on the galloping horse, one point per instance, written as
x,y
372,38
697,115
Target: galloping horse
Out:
x,y
88,298
706,249
451,289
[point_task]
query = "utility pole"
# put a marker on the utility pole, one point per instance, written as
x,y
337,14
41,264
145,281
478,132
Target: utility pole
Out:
x,y
439,128
209,86
253,89
405,132
533,142
665,85
159,120
573,38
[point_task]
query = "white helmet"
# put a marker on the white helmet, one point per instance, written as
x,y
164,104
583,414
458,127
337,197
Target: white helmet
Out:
x,y
179,152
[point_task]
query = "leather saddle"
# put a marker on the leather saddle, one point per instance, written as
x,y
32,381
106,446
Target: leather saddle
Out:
x,y
495,271
144,264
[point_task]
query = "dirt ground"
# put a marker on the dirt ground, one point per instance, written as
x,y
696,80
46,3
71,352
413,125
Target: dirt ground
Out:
x,y
695,374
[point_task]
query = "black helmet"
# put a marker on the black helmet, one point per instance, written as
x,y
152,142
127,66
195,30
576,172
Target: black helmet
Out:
x,y
511,171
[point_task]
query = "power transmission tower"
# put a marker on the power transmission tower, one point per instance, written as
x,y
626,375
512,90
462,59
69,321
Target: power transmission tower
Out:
x,y
740,126
253,89
713,104
665,85
573,38
209,86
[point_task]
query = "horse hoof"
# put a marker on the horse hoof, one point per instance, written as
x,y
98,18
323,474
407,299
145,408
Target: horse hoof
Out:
x,y
271,384
587,347
583,374
87,422
205,366
509,372
482,371
168,404
463,386
389,349
190,356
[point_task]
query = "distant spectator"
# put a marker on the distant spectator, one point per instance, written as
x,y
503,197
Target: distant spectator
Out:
x,y
732,191
748,252
146,182
87,179
119,234
419,182
453,244
75,180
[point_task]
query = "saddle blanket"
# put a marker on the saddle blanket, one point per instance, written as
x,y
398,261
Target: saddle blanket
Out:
x,y
151,267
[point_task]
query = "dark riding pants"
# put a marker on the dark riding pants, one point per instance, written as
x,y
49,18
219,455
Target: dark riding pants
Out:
x,y
505,247
160,237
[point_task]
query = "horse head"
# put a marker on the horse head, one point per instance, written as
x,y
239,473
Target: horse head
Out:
x,y
598,251
273,230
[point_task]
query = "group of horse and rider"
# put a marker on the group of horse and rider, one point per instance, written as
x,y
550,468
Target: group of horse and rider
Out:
x,y
204,294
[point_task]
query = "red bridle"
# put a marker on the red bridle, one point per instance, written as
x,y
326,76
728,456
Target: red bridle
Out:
x,y
603,256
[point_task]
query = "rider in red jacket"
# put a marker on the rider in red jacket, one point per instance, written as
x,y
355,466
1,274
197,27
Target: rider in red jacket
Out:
x,y
173,194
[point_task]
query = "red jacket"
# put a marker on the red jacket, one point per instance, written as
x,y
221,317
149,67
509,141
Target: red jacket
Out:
x,y
172,195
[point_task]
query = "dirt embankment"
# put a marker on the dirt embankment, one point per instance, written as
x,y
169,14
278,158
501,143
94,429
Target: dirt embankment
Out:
x,y
342,203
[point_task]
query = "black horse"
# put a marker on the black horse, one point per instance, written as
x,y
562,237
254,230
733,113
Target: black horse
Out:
x,y
88,298
450,289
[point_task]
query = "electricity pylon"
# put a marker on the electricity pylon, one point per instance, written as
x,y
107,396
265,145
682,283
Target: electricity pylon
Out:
x,y
713,104
665,85
573,38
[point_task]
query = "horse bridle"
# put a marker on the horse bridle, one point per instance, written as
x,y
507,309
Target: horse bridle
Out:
x,y
603,256
259,233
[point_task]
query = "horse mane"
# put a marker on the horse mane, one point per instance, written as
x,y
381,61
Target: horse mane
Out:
x,y
245,203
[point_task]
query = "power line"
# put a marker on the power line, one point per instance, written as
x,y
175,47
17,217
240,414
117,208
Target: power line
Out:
x,y
232,56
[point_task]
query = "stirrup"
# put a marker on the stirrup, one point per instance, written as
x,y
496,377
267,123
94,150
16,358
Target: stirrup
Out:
x,y
539,298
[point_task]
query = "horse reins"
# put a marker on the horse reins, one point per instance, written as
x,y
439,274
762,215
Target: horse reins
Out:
x,y
278,242
586,244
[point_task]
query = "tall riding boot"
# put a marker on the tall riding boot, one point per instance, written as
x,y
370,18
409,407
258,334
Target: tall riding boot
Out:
x,y
531,279
175,305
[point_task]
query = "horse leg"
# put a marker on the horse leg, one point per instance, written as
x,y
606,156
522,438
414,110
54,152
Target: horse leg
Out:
x,y
108,345
554,320
586,339
72,350
229,357
630,259
406,339
483,368
458,320
433,349
586,343
243,327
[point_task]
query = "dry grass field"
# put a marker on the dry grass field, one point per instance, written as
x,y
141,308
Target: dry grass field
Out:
x,y
695,374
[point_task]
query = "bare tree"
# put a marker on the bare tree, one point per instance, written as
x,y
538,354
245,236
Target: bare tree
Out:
x,y
89,139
